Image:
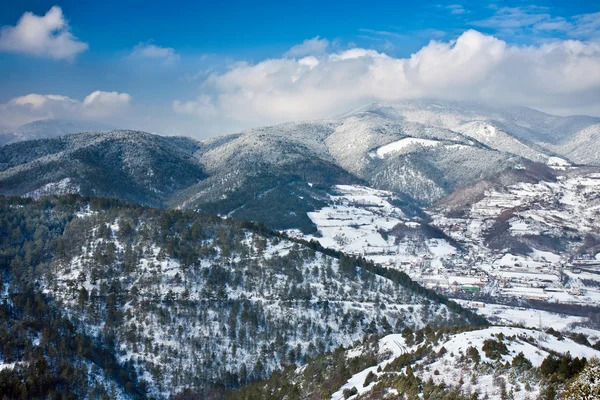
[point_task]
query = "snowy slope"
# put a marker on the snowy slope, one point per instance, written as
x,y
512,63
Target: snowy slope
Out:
x,y
371,223
195,301
527,235
519,130
402,144
390,347
446,364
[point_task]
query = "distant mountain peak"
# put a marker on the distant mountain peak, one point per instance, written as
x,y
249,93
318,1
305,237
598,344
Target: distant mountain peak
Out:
x,y
50,128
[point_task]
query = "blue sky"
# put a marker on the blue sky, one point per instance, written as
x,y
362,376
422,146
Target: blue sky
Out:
x,y
204,68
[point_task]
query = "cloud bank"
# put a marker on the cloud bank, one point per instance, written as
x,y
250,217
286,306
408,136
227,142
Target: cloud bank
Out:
x,y
32,107
48,36
307,83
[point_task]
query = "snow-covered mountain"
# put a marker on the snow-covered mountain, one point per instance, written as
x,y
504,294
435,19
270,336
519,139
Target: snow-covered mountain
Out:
x,y
410,148
406,157
49,128
421,151
133,166
518,130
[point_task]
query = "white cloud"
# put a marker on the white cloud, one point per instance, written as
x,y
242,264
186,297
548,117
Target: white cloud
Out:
x,y
456,9
33,107
475,66
48,36
514,18
37,101
512,21
314,46
100,103
201,107
309,61
382,33
554,24
149,50
586,25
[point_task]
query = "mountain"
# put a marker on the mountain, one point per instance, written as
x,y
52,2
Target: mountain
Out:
x,y
519,130
278,174
526,238
133,166
411,149
161,301
272,175
48,128
408,158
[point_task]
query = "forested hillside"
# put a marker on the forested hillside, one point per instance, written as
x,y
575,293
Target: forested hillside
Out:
x,y
147,302
132,166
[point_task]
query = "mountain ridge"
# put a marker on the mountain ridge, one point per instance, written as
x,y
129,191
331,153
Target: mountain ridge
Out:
x,y
410,148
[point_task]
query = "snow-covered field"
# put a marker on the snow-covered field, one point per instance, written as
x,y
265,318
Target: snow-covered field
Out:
x,y
352,221
365,221
502,314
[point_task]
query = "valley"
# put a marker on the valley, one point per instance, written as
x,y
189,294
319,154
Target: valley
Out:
x,y
363,256
524,242
307,200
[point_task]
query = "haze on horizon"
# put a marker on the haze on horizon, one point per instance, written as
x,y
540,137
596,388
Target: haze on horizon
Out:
x,y
203,69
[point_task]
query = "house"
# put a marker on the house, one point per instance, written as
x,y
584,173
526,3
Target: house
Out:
x,y
538,296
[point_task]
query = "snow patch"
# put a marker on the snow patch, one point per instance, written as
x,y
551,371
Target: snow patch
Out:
x,y
62,187
402,144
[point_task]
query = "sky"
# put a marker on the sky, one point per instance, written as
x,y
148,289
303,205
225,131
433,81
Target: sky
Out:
x,y
202,69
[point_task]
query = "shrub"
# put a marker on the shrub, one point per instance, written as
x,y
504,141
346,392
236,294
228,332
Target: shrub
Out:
x,y
494,349
371,377
350,392
521,362
473,354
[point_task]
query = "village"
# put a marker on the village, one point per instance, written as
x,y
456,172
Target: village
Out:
x,y
456,261
506,276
